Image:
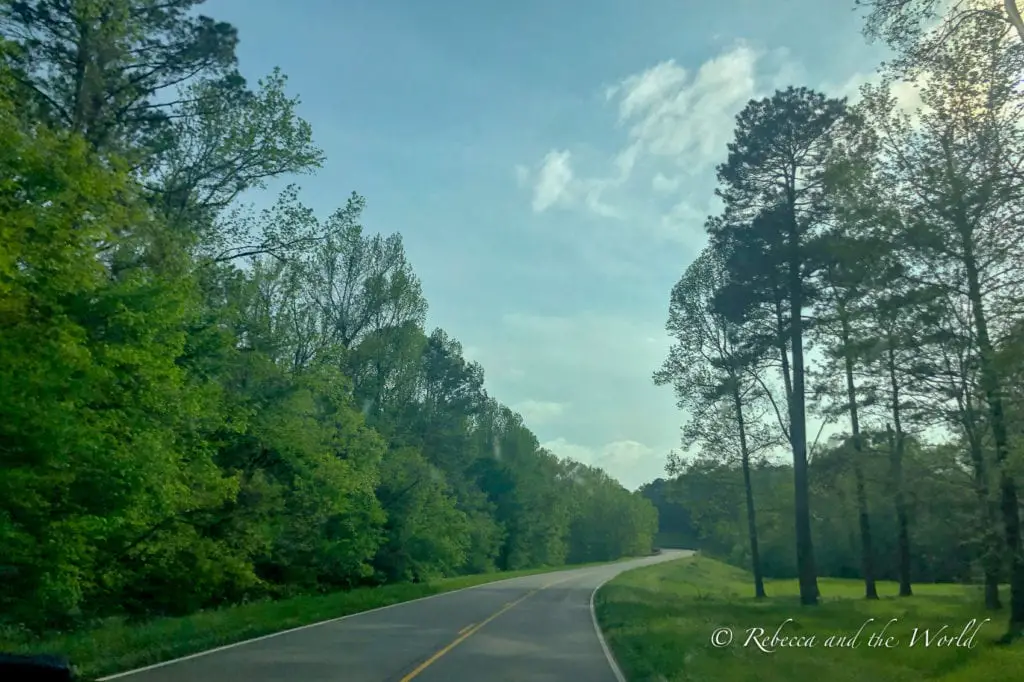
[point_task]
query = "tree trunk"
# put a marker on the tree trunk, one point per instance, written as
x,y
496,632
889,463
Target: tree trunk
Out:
x,y
989,517
896,445
896,475
990,384
991,557
787,377
798,427
992,601
866,546
902,523
755,555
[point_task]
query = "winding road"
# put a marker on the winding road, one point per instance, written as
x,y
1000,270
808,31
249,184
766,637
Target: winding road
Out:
x,y
538,628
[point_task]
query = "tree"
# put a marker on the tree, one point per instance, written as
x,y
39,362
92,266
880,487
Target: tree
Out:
x,y
152,82
772,188
919,29
894,342
95,408
675,524
426,532
100,68
708,371
843,280
221,144
956,167
359,283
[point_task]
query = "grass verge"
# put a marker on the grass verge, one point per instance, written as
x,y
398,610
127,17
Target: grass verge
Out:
x,y
118,645
659,622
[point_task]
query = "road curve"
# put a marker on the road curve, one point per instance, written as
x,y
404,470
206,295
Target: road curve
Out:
x,y
538,628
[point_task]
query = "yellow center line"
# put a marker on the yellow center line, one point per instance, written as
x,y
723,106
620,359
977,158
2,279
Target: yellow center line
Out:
x,y
467,632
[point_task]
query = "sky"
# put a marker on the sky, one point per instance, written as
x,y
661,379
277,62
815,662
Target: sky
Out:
x,y
549,167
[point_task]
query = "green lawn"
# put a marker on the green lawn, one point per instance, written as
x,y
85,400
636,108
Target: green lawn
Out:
x,y
117,645
659,622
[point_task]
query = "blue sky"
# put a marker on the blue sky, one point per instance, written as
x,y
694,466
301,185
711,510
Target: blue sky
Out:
x,y
549,165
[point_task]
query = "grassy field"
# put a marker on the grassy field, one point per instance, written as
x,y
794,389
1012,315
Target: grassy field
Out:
x,y
117,645
660,621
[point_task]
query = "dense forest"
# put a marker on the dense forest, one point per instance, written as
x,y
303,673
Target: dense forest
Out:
x,y
859,306
203,404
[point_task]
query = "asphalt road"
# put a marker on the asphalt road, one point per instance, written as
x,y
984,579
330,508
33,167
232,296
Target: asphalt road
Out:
x,y
538,628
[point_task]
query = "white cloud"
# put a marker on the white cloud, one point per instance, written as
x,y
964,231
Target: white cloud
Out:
x,y
557,184
563,448
688,119
677,122
539,411
553,181
630,462
645,91
597,205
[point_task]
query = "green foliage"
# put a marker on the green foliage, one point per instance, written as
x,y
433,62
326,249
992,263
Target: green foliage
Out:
x,y
95,409
941,506
100,68
427,535
203,407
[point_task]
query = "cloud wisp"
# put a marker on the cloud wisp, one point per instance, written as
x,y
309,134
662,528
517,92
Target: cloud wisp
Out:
x,y
673,125
537,412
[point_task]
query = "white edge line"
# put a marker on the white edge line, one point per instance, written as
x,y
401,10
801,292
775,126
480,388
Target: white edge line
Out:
x,y
322,622
600,635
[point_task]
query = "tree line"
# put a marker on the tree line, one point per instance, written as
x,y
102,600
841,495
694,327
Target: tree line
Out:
x,y
204,404
859,303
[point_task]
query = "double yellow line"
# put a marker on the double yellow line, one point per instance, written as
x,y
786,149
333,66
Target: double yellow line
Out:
x,y
471,629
